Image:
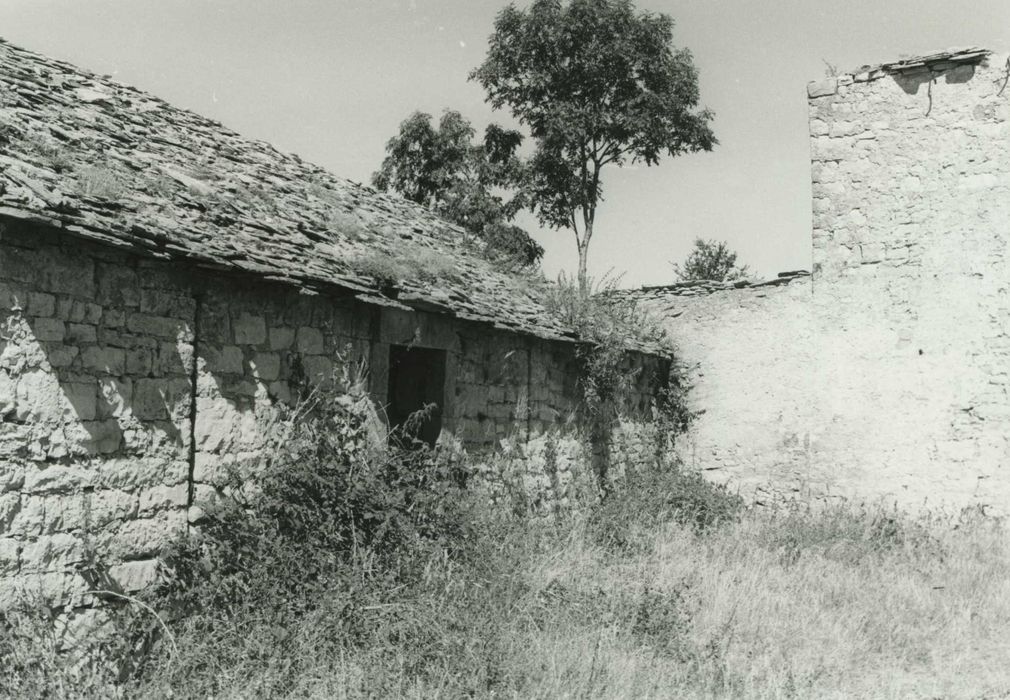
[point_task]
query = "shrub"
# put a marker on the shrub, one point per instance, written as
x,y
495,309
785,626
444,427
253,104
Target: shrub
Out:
x,y
645,500
100,182
417,264
844,532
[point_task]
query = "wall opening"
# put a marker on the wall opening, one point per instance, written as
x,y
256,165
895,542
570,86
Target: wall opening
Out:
x,y
416,392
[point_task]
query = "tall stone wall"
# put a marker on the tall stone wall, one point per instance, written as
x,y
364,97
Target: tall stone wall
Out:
x,y
884,376
129,386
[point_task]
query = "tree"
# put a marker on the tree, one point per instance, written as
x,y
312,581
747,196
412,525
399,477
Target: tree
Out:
x,y
710,260
444,170
596,83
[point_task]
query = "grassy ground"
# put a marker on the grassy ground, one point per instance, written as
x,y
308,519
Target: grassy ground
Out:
x,y
837,604
355,576
771,607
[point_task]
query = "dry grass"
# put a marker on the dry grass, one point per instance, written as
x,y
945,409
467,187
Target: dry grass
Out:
x,y
826,605
842,603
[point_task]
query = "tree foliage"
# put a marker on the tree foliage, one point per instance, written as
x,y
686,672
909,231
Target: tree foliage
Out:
x,y
443,169
710,260
597,83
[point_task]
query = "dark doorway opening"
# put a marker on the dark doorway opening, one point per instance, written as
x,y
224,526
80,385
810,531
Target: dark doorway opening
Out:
x,y
416,392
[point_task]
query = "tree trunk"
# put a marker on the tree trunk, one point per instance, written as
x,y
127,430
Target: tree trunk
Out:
x,y
583,276
584,255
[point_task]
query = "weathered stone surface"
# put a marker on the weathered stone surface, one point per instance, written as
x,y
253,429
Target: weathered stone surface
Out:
x,y
104,360
822,88
135,575
58,478
155,399
249,329
281,338
310,341
100,422
49,329
265,366
881,377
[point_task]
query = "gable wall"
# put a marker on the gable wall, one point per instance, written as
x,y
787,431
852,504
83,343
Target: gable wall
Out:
x,y
129,386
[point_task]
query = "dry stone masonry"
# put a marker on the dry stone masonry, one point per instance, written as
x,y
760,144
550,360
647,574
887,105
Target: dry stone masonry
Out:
x,y
166,287
884,375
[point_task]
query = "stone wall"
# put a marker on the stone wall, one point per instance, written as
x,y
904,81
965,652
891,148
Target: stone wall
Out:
x,y
884,376
129,385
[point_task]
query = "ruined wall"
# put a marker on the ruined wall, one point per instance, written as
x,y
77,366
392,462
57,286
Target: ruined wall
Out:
x,y
128,386
885,376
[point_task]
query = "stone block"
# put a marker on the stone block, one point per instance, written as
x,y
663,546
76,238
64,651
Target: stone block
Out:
x,y
318,369
281,338
81,400
145,538
104,360
310,341
55,552
114,318
58,478
249,329
139,361
264,366
160,497
222,360
157,399
48,329
10,506
174,358
104,436
63,273
10,549
135,576
158,302
7,394
132,473
61,356
159,327
281,392
118,286
80,334
41,304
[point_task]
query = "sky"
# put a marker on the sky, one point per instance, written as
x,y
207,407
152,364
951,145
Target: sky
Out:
x,y
332,79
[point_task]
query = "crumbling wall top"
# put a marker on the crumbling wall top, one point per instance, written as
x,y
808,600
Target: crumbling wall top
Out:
x,y
938,62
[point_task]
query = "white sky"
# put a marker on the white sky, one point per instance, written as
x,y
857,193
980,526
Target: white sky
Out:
x,y
332,79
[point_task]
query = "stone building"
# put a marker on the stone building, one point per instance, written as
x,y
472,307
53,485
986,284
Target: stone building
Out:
x,y
884,374
165,284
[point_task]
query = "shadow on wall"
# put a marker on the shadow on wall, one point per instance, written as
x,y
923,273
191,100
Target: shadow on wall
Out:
x,y
911,81
94,436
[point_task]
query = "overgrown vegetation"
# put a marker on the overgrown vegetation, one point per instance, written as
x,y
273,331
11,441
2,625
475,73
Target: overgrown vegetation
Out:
x,y
415,264
100,182
351,574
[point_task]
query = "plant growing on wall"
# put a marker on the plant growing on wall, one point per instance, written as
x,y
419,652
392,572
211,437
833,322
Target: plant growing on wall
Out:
x,y
597,83
605,323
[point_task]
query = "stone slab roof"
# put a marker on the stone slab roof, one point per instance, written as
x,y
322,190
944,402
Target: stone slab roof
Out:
x,y
938,62
110,163
697,288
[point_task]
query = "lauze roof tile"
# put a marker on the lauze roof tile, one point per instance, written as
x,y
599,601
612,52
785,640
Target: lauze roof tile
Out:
x,y
107,162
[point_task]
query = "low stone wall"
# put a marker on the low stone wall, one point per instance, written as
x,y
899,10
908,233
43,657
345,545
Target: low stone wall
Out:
x,y
129,385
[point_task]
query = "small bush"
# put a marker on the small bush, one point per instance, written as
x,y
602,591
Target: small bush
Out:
x,y
49,152
414,264
844,532
99,182
645,500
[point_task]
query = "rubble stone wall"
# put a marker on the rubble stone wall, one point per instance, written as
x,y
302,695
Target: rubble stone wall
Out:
x,y
129,385
884,376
